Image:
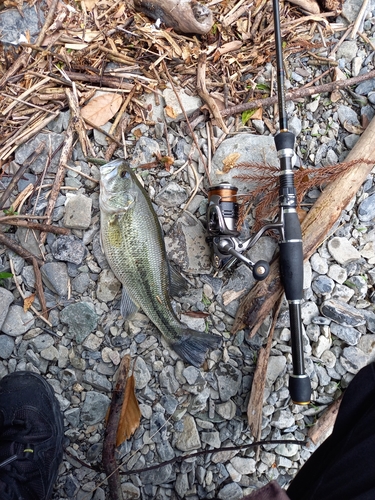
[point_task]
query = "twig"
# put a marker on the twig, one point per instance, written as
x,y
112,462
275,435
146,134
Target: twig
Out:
x,y
110,81
187,121
78,121
60,174
21,61
39,289
18,249
204,95
324,425
297,94
361,15
81,173
23,296
29,161
255,405
34,225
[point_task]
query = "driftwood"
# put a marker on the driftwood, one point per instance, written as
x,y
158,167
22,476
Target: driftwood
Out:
x,y
315,227
324,425
184,16
255,405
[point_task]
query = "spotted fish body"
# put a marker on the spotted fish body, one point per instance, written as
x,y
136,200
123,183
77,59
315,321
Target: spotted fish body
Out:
x,y
133,243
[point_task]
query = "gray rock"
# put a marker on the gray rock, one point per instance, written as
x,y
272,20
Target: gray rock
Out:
x,y
17,321
260,149
6,298
37,167
337,273
232,491
108,286
288,449
158,476
30,241
347,50
353,359
351,140
191,374
165,450
169,403
229,381
77,211
42,341
94,408
14,24
168,380
323,285
342,250
28,276
366,87
324,378
187,246
342,313
6,346
276,366
188,439
282,419
81,320
173,111
81,283
97,380
182,484
348,334
155,111
55,277
347,114
130,491
172,195
101,138
243,465
366,209
141,374
295,125
318,263
145,151
69,249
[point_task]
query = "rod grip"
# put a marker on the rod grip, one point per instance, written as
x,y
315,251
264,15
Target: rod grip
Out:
x,y
291,257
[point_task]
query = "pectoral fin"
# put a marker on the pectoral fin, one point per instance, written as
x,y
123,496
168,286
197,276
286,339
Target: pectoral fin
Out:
x,y
128,308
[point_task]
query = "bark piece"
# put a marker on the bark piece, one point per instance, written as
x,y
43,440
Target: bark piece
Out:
x,y
315,228
324,425
184,16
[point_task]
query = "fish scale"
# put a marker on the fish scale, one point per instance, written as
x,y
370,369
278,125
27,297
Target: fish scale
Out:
x,y
133,243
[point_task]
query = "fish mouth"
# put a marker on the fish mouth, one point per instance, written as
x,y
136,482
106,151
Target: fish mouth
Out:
x,y
109,170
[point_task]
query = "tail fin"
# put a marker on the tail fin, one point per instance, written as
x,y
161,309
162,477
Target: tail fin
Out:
x,y
193,345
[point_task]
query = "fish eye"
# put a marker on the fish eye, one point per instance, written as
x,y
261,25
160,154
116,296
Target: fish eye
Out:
x,y
124,174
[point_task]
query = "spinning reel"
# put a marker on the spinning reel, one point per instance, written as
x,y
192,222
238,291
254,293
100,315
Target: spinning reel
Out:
x,y
223,236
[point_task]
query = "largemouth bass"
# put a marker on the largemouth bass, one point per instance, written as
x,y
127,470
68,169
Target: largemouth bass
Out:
x,y
133,243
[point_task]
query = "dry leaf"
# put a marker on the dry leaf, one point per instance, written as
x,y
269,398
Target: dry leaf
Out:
x,y
120,11
28,302
338,75
258,115
130,416
230,162
90,4
353,129
171,112
101,108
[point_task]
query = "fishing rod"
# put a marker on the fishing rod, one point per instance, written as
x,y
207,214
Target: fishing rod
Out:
x,y
228,247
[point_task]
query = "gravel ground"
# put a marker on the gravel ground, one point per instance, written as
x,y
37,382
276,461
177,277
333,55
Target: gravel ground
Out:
x,y
185,409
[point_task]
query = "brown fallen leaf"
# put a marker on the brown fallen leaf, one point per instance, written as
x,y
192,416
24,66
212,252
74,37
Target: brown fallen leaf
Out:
x,y
130,416
171,112
353,129
230,162
28,302
101,108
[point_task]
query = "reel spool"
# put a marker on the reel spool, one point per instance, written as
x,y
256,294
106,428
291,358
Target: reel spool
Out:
x,y
223,236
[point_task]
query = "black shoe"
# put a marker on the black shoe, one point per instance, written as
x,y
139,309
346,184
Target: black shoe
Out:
x,y
31,433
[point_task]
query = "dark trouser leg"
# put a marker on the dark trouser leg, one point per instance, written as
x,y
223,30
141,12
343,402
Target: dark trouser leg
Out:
x,y
343,467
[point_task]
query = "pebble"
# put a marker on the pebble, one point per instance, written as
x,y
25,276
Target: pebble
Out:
x,y
77,211
94,408
342,250
6,298
342,313
17,321
81,320
69,249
